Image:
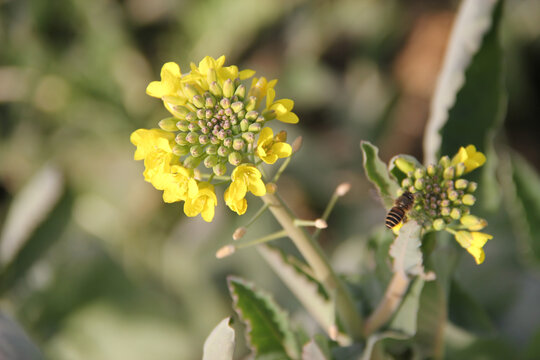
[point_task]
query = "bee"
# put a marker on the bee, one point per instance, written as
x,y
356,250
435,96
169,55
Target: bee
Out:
x,y
397,213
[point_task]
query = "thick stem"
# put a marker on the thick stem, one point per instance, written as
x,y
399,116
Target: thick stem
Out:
x,y
317,260
392,298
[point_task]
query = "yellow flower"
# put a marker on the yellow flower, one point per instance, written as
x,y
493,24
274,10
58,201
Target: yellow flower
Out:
x,y
170,84
211,69
203,202
179,184
245,178
270,149
472,222
473,242
158,168
470,157
148,141
259,88
282,108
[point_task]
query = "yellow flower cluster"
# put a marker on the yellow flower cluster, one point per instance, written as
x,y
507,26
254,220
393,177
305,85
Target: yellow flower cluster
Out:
x,y
216,123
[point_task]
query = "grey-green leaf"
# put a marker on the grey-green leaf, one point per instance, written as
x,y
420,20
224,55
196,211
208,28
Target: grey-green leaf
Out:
x,y
312,351
306,289
219,345
268,330
14,343
405,318
469,101
377,173
406,250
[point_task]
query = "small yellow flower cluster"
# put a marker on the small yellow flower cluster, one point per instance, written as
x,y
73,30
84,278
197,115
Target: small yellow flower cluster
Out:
x,y
216,121
443,198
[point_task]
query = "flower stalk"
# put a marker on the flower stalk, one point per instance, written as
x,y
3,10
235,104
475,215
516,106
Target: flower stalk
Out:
x,y
317,260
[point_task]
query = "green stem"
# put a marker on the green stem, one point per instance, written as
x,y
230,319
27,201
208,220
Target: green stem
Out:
x,y
317,260
327,212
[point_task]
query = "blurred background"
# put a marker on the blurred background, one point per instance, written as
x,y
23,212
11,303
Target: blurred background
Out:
x,y
100,268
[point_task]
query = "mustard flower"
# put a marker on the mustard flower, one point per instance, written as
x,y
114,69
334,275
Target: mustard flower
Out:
x,y
216,128
443,199
270,148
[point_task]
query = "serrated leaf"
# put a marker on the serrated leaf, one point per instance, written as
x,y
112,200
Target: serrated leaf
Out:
x,y
219,345
377,173
406,250
405,318
268,331
469,101
306,289
14,343
40,240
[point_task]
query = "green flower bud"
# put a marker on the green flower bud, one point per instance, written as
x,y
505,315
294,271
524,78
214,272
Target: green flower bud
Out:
x,y
180,150
256,127
445,203
236,129
404,165
431,170
252,115
244,125
193,126
225,103
419,184
268,114
227,142
191,116
181,139
455,213
453,195
204,139
449,173
179,111
198,101
473,223
190,91
406,183
419,173
445,211
168,124
228,88
209,101
235,158
460,169
223,151
196,150
220,169
211,161
240,91
251,104
461,184
192,137
238,144
182,125
192,162
445,162
472,187
237,106
468,199
249,137
439,224
215,89
211,149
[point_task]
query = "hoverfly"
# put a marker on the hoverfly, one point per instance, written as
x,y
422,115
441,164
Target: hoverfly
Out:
x,y
398,212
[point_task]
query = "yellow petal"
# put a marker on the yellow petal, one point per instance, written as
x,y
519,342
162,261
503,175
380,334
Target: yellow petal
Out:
x,y
479,239
478,254
289,118
270,96
246,74
266,135
282,150
257,187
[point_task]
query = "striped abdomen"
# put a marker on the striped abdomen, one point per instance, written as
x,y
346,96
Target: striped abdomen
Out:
x,y
394,217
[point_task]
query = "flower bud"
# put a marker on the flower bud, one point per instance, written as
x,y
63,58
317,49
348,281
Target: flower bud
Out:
x,y
181,139
468,199
445,211
419,184
192,162
455,213
211,161
449,173
225,103
196,150
223,151
251,104
343,189
419,173
453,195
244,125
235,158
182,125
472,187
249,137
251,115
228,88
211,149
240,91
460,169
180,150
271,188
192,137
445,162
215,89
238,144
190,90
473,223
203,139
296,144
406,183
404,165
225,251
168,124
439,224
431,170
237,106
268,114
220,169
209,101
256,127
461,184
198,101
193,126
239,233
179,111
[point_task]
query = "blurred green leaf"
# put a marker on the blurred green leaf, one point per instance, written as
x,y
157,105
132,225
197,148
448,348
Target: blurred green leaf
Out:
x,y
38,242
312,351
219,345
268,330
304,286
469,101
14,343
527,198
377,173
405,318
405,250
466,313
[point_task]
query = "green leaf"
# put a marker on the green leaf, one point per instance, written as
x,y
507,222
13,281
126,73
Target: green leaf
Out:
x,y
406,250
14,343
219,345
405,318
304,286
469,101
312,351
25,250
377,173
526,206
466,313
268,331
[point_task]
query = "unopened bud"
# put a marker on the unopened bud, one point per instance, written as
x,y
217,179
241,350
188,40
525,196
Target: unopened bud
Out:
x,y
190,91
211,161
271,188
343,189
439,224
296,144
472,187
468,199
235,158
445,162
473,223
244,125
225,251
239,233
321,224
225,103
419,173
238,144
240,91
192,137
460,169
461,184
168,124
237,106
419,184
455,213
255,127
251,103
449,173
431,170
251,115
249,137
192,162
181,139
215,89
220,169
180,150
228,88
210,101
179,111
198,101
404,165
182,125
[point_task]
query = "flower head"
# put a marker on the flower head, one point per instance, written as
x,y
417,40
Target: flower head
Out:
x,y
217,124
443,198
270,148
